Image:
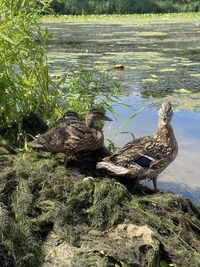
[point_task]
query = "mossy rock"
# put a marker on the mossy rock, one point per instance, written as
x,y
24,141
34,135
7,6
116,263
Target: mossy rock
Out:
x,y
124,245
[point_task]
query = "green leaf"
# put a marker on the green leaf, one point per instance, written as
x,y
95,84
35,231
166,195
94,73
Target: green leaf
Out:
x,y
6,38
131,117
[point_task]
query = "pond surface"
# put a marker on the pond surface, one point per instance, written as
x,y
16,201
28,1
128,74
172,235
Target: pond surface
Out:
x,y
161,60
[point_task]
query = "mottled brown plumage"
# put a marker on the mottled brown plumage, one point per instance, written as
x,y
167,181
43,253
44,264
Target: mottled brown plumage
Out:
x,y
73,138
68,118
146,157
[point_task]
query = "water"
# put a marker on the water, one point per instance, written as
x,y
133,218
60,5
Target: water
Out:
x,y
162,61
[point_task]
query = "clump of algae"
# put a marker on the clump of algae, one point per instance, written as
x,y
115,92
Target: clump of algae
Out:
x,y
39,197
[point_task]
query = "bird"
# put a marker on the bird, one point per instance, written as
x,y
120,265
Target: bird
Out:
x,y
75,137
148,156
71,117
68,118
53,135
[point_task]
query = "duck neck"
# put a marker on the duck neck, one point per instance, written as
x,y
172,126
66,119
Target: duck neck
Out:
x,y
90,123
165,129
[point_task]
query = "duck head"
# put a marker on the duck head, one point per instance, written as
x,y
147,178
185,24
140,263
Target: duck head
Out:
x,y
95,115
165,114
68,117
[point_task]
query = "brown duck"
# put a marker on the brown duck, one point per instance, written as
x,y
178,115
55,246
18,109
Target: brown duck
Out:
x,y
75,137
68,118
146,157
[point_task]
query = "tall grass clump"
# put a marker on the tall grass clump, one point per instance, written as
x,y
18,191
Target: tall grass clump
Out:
x,y
85,7
178,6
24,81
83,89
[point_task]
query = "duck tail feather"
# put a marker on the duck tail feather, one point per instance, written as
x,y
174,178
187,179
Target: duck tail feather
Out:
x,y
117,170
35,143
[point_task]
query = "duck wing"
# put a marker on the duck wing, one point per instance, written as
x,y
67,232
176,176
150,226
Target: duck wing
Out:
x,y
143,151
73,138
128,160
83,138
135,151
53,140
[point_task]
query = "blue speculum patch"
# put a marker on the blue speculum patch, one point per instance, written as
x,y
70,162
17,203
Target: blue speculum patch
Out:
x,y
143,161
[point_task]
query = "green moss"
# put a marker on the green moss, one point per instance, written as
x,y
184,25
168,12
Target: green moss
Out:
x,y
39,198
108,199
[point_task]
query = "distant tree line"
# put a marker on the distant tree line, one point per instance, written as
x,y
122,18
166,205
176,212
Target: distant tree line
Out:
x,y
86,7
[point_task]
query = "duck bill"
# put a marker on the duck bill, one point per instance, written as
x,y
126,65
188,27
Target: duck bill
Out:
x,y
60,120
107,118
164,121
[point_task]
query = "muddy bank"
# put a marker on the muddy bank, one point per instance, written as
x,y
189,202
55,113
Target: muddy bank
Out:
x,y
52,217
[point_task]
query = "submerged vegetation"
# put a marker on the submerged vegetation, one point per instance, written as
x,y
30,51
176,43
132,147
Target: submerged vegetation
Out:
x,y
159,52
45,210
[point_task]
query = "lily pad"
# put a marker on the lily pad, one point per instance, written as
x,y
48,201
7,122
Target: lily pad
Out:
x,y
149,80
184,91
195,75
150,33
167,70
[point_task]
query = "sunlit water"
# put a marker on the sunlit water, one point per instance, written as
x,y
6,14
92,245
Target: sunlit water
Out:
x,y
162,61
